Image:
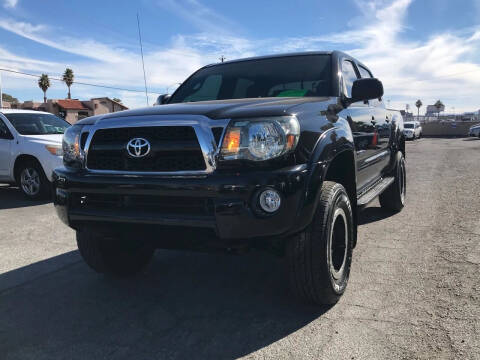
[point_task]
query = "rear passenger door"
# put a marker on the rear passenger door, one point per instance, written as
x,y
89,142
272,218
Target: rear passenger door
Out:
x,y
361,121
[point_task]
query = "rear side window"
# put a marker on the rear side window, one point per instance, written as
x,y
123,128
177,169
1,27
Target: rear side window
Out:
x,y
364,73
349,76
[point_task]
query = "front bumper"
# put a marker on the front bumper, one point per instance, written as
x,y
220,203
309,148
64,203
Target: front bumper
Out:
x,y
49,163
132,202
408,135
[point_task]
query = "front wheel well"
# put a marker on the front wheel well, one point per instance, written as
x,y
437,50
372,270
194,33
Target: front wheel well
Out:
x,y
342,170
19,161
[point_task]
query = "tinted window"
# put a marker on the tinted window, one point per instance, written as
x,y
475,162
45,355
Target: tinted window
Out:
x,y
4,132
408,126
37,124
364,73
292,76
349,76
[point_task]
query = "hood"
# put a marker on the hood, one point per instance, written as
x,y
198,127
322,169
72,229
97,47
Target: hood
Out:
x,y
54,139
219,109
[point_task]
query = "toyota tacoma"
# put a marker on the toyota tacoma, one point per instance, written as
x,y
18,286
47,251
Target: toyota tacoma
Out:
x,y
274,153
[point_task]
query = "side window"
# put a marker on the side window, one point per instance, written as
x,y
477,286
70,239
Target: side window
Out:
x,y
349,76
208,90
364,73
4,132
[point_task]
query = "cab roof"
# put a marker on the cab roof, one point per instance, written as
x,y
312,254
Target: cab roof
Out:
x,y
22,111
279,56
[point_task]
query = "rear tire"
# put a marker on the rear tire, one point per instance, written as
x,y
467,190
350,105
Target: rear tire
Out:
x,y
393,198
32,181
116,256
319,258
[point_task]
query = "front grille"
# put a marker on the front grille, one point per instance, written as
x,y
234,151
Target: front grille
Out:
x,y
173,148
143,204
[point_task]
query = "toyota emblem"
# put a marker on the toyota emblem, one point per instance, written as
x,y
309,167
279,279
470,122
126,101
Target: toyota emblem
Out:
x,y
138,147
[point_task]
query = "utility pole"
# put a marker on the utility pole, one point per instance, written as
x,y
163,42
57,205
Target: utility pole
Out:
x,y
222,58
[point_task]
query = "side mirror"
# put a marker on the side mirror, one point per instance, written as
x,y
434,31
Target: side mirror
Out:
x,y
366,89
162,99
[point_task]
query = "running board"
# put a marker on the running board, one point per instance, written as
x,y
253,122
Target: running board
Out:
x,y
375,191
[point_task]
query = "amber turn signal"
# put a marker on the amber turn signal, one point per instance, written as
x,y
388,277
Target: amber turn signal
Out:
x,y
231,143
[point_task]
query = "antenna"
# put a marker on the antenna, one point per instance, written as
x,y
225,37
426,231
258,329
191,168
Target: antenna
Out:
x,y
222,58
143,62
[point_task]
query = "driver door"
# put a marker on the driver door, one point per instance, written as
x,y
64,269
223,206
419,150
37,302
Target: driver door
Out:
x,y
6,141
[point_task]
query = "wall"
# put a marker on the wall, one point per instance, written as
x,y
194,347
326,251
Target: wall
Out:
x,y
446,128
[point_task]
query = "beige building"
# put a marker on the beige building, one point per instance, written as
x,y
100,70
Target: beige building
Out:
x,y
73,110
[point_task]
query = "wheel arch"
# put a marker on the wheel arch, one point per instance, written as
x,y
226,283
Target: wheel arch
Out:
x,y
333,159
21,159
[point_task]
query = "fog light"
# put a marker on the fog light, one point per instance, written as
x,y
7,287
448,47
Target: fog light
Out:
x,y
270,200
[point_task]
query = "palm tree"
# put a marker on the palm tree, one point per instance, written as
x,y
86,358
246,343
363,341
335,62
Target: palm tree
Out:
x,y
418,104
68,79
44,84
439,105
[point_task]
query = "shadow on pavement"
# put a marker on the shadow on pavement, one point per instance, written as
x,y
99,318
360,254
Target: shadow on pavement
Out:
x,y
11,197
472,139
185,305
373,214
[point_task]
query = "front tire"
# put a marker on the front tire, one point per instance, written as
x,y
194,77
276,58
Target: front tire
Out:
x,y
32,181
319,258
393,198
113,255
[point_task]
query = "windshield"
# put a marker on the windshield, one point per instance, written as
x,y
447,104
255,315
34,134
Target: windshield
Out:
x,y
37,124
290,76
409,126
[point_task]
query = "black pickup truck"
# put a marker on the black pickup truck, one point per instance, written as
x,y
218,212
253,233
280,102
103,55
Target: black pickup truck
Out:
x,y
274,153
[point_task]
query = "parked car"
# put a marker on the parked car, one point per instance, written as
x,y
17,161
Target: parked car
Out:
x,y
272,152
474,130
412,130
30,148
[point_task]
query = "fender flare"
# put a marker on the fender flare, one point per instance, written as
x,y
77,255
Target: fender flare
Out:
x,y
331,143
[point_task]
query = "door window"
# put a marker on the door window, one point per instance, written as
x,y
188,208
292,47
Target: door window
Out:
x,y
4,132
364,73
349,76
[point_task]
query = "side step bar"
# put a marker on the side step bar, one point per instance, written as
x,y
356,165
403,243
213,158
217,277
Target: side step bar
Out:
x,y
375,191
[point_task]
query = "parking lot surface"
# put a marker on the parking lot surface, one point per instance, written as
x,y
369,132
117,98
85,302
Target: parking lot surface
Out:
x,y
413,291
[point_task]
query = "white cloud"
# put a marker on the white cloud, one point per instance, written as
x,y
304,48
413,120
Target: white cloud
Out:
x,y
202,17
10,4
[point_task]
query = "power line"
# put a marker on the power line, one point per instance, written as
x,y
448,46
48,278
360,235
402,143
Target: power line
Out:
x,y
78,82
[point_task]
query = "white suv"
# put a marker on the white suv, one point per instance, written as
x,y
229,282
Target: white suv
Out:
x,y
412,130
30,148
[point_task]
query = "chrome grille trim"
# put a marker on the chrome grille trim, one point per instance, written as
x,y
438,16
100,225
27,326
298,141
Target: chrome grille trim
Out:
x,y
201,124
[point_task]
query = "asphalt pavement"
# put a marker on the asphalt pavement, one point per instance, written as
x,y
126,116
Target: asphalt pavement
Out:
x,y
414,290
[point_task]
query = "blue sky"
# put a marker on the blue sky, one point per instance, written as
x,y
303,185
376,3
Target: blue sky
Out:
x,y
427,49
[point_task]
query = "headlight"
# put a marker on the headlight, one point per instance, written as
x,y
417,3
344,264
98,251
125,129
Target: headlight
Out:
x,y
73,155
260,139
54,149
